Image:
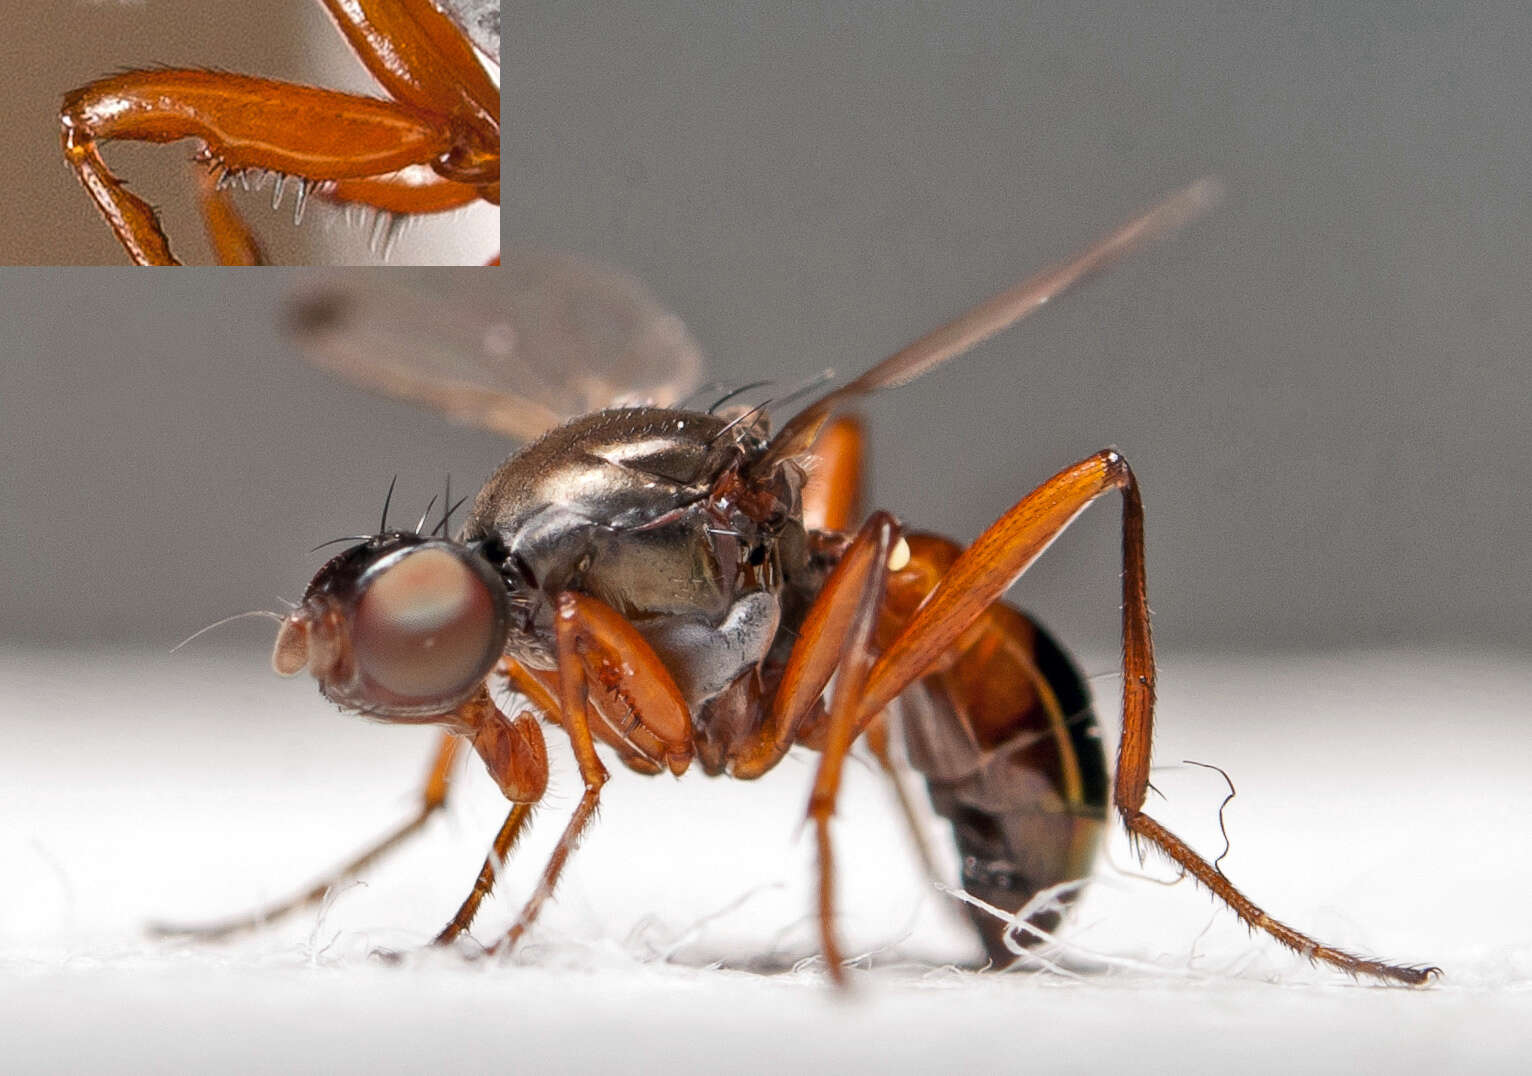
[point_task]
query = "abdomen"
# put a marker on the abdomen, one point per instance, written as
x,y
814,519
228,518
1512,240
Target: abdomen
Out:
x,y
1004,735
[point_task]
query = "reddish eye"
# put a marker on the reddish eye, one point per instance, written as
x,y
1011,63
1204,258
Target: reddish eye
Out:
x,y
425,629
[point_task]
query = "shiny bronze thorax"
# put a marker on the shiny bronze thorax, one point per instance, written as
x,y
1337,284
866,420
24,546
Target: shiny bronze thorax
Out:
x,y
662,515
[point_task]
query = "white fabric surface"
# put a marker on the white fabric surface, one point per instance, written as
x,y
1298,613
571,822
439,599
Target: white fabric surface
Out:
x,y
1382,805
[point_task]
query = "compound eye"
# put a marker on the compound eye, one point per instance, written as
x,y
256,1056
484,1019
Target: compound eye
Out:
x,y
426,629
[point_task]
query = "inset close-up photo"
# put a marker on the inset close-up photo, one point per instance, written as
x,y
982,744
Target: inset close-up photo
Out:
x,y
258,133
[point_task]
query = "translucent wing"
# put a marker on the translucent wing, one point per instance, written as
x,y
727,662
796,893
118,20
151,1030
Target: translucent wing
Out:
x,y
998,313
479,19
518,349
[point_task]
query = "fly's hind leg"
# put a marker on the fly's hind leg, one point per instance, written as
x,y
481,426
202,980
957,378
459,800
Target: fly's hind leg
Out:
x,y
432,798
983,573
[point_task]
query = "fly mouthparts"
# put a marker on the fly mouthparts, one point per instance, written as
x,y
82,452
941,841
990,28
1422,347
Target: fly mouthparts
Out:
x,y
290,653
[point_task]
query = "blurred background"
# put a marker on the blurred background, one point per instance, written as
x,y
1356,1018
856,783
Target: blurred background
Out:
x,y
1317,384
55,46
1323,387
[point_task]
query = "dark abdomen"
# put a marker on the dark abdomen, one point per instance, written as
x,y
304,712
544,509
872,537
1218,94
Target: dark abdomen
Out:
x,y
1005,737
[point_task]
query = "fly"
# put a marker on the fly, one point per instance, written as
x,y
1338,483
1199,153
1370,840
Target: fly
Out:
x,y
680,587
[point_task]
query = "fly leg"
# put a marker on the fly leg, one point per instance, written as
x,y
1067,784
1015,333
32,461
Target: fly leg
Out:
x,y
835,639
866,562
597,649
433,797
514,754
398,194
420,57
244,123
832,501
541,687
832,497
984,572
231,238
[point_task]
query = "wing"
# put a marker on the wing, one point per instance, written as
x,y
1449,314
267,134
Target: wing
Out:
x,y
517,349
998,313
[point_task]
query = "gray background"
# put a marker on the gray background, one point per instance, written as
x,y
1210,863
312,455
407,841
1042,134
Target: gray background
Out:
x,y
1323,386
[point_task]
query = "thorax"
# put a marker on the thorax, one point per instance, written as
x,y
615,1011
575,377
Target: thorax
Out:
x,y
658,514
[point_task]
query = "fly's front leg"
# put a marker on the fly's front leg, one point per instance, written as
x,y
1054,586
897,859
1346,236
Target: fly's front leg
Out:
x,y
245,123
984,572
500,849
597,648
432,798
516,757
541,687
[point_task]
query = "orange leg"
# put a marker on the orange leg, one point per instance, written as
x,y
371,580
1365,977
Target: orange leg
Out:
x,y
832,499
598,648
411,192
510,831
515,756
633,688
834,639
245,123
984,572
419,56
866,562
233,241
513,751
639,755
433,797
422,59
817,654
